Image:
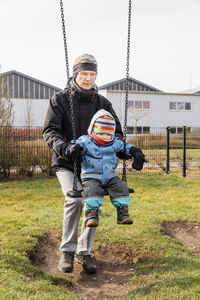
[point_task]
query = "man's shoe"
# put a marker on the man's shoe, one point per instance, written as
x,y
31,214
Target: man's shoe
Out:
x,y
92,218
66,263
87,263
123,216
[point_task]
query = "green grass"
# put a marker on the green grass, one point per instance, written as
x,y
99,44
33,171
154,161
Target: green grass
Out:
x,y
191,154
166,269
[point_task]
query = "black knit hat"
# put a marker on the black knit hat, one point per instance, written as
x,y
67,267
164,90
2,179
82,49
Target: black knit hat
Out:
x,y
84,62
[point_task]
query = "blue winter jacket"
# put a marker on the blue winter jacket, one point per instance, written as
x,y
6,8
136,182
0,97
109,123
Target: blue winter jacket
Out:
x,y
100,161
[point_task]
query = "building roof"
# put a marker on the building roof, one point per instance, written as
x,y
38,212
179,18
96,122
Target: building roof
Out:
x,y
192,91
136,86
30,78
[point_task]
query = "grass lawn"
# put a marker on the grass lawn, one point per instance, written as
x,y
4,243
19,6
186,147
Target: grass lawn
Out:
x,y
166,269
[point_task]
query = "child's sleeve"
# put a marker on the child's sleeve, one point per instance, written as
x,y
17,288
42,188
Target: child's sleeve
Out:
x,y
81,141
119,149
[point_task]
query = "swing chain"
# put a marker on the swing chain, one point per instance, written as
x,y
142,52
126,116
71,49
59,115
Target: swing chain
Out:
x,y
127,87
64,38
127,69
75,182
70,94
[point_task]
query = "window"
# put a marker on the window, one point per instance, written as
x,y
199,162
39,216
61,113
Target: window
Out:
x,y
172,105
138,130
129,129
138,105
146,129
179,130
173,130
146,105
187,106
179,105
130,105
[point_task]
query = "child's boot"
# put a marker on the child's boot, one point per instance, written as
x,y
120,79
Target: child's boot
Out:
x,y
92,218
123,216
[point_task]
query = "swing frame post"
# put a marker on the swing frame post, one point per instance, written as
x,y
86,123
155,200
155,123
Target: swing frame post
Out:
x,y
168,149
184,151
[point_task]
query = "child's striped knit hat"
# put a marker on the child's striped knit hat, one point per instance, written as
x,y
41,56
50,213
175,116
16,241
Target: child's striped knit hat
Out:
x,y
104,124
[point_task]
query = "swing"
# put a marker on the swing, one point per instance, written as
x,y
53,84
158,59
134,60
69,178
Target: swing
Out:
x,y
75,193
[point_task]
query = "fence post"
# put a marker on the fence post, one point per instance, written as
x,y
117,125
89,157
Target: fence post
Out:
x,y
184,151
168,146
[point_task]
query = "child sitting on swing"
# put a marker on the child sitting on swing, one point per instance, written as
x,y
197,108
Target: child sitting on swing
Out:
x,y
99,150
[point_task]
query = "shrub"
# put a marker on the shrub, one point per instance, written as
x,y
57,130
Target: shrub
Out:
x,y
9,151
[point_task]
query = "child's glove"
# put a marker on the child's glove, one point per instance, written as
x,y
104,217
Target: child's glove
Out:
x,y
73,151
139,158
123,155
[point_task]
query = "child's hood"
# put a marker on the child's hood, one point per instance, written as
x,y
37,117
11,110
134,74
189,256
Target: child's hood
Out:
x,y
99,113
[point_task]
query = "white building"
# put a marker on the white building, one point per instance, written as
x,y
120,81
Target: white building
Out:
x,y
149,107
28,95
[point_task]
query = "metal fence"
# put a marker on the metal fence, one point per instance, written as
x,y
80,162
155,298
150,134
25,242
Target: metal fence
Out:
x,y
23,153
168,152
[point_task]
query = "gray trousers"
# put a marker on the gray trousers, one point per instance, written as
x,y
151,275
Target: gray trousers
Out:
x,y
72,213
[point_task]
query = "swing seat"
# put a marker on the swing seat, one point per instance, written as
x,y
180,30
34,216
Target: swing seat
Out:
x,y
78,194
130,190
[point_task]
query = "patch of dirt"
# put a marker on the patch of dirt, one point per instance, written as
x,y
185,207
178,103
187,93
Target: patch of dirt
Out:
x,y
186,232
115,265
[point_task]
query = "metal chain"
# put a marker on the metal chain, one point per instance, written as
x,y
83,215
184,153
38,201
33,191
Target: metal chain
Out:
x,y
75,182
70,94
64,39
127,87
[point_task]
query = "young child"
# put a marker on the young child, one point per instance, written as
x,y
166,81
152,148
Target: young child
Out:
x,y
99,151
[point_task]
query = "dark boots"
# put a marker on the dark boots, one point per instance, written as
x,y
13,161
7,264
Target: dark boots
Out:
x,y
87,263
92,218
123,216
66,263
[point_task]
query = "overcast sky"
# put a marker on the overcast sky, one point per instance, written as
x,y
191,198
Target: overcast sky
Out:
x,y
165,43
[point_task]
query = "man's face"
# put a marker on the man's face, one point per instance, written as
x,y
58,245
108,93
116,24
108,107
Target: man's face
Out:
x,y
86,79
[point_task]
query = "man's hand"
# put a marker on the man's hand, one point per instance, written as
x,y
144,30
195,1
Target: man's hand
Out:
x,y
73,151
139,158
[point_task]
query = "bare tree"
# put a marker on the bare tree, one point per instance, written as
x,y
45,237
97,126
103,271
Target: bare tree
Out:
x,y
29,114
137,115
7,158
6,105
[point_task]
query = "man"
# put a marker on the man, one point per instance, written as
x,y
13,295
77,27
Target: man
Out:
x,y
58,134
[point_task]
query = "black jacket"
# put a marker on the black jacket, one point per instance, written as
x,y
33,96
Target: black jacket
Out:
x,y
57,130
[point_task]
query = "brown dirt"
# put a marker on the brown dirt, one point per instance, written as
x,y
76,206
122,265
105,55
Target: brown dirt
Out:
x,y
186,232
115,268
115,263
